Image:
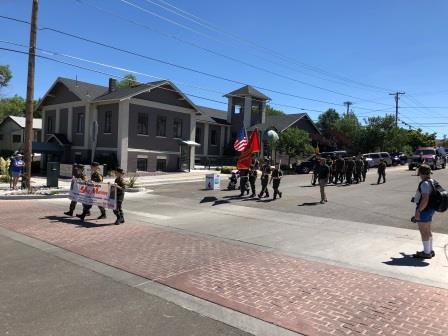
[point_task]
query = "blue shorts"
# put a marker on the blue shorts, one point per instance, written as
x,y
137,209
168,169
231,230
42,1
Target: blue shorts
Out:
x,y
426,216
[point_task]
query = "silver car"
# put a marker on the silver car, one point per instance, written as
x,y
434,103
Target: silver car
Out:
x,y
377,157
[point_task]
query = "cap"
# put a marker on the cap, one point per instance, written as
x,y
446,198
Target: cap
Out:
x,y
424,170
119,170
78,165
95,164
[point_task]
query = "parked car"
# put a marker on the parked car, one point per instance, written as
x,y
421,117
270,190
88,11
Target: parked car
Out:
x,y
305,166
435,157
398,158
377,157
369,160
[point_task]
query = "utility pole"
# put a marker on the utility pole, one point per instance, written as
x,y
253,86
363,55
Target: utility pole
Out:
x,y
30,95
397,98
348,104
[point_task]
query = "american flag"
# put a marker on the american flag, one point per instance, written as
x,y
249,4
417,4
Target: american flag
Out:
x,y
241,142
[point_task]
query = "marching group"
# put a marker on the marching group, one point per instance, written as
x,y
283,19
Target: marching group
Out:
x,y
96,177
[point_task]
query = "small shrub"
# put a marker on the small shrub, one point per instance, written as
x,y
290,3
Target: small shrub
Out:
x,y
4,179
227,169
131,182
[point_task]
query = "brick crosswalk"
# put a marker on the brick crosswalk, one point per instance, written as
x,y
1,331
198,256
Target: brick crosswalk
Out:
x,y
308,297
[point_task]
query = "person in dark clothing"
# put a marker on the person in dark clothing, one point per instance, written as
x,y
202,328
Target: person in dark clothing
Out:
x,y
244,180
276,177
78,173
252,179
339,170
324,174
315,168
349,169
365,168
121,186
382,171
329,163
265,172
359,165
98,178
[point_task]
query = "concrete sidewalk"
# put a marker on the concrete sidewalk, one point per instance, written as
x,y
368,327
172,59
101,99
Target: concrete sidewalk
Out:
x,y
43,295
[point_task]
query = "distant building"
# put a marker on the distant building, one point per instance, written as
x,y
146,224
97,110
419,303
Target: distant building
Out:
x,y
148,127
12,132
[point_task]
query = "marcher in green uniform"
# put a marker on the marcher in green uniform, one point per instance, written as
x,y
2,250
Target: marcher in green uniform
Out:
x,y
98,178
78,173
359,165
339,170
244,181
121,186
276,177
382,171
349,169
252,179
365,168
265,172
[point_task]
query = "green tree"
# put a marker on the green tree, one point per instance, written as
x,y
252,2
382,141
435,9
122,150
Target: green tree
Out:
x,y
16,106
128,80
328,120
5,75
270,111
350,127
293,142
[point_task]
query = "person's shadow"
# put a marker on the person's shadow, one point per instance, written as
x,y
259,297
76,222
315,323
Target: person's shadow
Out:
x,y
309,204
76,221
406,260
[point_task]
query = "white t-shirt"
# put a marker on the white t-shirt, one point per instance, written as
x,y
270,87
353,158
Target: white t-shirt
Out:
x,y
425,188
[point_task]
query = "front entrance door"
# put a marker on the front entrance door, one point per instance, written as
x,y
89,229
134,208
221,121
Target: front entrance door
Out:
x,y
184,160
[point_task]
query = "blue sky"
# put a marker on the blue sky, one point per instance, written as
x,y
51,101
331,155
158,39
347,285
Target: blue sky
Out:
x,y
392,45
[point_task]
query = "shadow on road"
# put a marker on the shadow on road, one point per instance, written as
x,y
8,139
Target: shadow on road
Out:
x,y
75,221
406,260
208,199
309,204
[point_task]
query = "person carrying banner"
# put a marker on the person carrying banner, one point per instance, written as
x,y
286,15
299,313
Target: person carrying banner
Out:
x,y
253,178
121,186
98,178
78,173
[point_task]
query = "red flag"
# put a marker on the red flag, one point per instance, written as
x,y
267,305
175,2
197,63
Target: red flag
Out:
x,y
245,159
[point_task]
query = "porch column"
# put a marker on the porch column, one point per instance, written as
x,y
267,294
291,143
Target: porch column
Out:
x,y
206,139
70,124
221,140
192,138
123,131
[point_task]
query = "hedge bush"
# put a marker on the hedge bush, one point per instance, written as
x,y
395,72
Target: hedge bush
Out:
x,y
227,169
4,179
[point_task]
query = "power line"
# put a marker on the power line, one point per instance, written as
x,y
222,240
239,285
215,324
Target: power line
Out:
x,y
123,77
208,25
146,11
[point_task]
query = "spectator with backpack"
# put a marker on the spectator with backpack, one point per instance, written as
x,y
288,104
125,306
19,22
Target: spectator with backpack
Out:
x,y
426,203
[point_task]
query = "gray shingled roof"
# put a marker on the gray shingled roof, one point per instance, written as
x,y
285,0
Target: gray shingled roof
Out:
x,y
247,91
85,91
127,91
37,123
211,115
280,123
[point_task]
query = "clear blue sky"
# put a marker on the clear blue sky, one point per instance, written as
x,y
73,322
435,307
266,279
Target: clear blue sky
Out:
x,y
393,45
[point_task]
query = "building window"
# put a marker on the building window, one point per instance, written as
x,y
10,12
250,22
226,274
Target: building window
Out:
x,y
237,109
16,138
49,124
142,124
198,135
177,128
108,122
1,137
80,123
213,138
161,164
161,126
142,164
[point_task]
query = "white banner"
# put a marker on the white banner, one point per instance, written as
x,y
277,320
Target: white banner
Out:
x,y
101,194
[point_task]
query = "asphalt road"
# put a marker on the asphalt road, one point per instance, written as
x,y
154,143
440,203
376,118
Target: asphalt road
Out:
x,y
42,295
384,204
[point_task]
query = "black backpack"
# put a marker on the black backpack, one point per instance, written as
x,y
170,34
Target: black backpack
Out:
x,y
438,200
